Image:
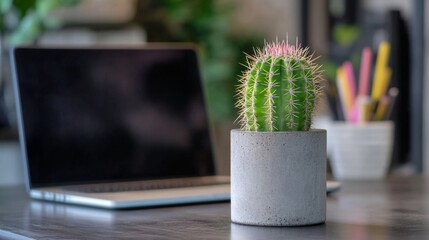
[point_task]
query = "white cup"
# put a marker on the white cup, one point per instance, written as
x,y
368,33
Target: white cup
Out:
x,y
360,151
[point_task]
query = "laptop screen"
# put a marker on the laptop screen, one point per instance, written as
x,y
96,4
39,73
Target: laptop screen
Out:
x,y
95,115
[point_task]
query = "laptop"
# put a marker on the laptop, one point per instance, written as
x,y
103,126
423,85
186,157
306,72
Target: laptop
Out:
x,y
115,128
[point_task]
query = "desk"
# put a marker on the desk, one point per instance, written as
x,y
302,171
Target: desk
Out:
x,y
397,208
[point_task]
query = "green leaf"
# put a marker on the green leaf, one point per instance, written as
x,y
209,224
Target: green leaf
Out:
x,y
27,30
43,7
345,34
5,6
330,70
23,6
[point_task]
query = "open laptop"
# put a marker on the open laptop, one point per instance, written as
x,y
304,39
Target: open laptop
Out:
x,y
115,128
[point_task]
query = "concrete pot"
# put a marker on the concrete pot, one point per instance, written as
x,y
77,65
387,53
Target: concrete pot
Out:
x,y
278,178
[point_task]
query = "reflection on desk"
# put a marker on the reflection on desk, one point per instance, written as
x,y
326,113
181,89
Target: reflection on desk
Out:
x,y
392,209
42,210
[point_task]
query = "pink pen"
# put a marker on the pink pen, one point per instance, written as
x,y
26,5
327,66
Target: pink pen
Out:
x,y
365,69
348,68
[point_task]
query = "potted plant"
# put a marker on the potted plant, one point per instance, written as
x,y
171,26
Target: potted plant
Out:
x,y
278,163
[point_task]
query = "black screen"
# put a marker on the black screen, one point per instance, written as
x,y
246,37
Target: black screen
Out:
x,y
95,115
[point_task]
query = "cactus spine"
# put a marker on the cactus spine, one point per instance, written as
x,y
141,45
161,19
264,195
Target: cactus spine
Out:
x,y
279,89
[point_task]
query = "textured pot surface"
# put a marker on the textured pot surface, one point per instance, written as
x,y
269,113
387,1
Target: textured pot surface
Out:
x,y
278,178
361,151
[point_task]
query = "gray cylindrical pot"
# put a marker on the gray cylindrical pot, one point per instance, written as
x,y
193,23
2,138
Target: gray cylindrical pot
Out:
x,y
278,178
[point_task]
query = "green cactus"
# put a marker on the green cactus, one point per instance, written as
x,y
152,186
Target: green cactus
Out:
x,y
279,89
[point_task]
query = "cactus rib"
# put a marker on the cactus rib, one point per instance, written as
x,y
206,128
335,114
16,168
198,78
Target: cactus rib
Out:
x,y
279,89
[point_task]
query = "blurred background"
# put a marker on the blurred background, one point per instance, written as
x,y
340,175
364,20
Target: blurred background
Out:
x,y
336,30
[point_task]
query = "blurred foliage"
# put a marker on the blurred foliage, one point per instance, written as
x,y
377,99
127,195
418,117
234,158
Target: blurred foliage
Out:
x,y
345,34
203,22
207,24
21,21
329,70
342,48
330,67
24,20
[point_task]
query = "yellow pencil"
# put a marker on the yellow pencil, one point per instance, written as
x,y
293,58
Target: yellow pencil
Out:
x,y
386,83
382,108
344,92
379,85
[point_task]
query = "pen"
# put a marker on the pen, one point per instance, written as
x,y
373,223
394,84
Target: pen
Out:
x,y
383,105
344,92
380,77
393,95
348,69
364,108
365,68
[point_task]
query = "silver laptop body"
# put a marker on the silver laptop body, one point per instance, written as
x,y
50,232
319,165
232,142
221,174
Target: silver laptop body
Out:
x,y
115,128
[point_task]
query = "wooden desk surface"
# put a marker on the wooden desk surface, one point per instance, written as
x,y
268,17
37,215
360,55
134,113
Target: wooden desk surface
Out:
x,y
392,209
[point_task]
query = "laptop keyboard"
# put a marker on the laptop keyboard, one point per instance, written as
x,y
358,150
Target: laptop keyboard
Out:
x,y
148,185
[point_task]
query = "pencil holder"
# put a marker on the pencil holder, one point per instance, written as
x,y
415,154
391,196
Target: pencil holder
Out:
x,y
360,151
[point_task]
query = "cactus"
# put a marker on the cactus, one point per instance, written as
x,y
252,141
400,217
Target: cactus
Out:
x,y
279,89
